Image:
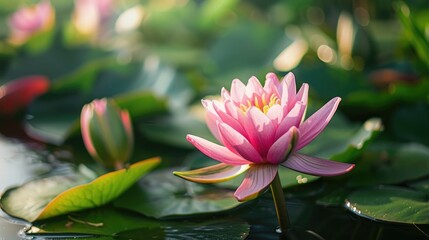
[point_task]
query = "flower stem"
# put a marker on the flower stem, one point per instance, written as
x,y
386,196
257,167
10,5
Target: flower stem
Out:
x,y
280,204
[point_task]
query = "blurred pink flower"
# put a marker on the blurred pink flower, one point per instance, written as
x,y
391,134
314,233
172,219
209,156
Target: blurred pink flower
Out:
x,y
260,128
91,16
19,93
28,21
107,132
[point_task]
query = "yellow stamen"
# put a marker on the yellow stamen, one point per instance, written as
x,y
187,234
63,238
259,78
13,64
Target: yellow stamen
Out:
x,y
266,108
264,102
261,103
257,103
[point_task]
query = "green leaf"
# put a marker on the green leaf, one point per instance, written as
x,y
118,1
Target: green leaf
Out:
x,y
343,141
412,129
390,204
172,129
141,104
391,164
243,48
213,10
334,198
163,195
108,221
422,186
415,35
56,195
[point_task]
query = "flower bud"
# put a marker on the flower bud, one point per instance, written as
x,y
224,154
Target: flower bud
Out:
x,y
107,132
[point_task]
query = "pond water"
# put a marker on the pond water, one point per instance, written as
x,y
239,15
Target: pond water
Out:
x,y
17,165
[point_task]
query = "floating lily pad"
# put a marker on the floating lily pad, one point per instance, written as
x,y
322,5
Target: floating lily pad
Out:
x,y
163,195
391,164
390,204
108,221
172,129
343,141
411,129
334,198
56,195
422,186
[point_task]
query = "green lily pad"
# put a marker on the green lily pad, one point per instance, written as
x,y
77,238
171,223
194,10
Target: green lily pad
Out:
x,y
334,198
112,222
390,204
422,185
411,129
391,164
343,141
172,129
56,195
163,195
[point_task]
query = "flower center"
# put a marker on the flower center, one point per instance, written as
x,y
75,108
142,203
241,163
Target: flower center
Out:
x,y
262,102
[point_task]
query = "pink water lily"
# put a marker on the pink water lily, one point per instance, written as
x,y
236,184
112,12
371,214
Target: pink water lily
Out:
x,y
259,128
31,20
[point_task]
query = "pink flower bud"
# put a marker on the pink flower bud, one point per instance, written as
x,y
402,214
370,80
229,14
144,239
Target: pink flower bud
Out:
x,y
107,132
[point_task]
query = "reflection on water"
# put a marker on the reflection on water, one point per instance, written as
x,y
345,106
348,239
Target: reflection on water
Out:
x,y
17,165
9,231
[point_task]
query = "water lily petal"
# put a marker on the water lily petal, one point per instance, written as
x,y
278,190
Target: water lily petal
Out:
x,y
272,77
253,88
293,118
315,124
86,115
316,166
237,90
283,146
260,129
213,174
228,119
238,144
258,177
225,94
275,114
271,84
217,152
288,89
212,118
302,94
231,109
